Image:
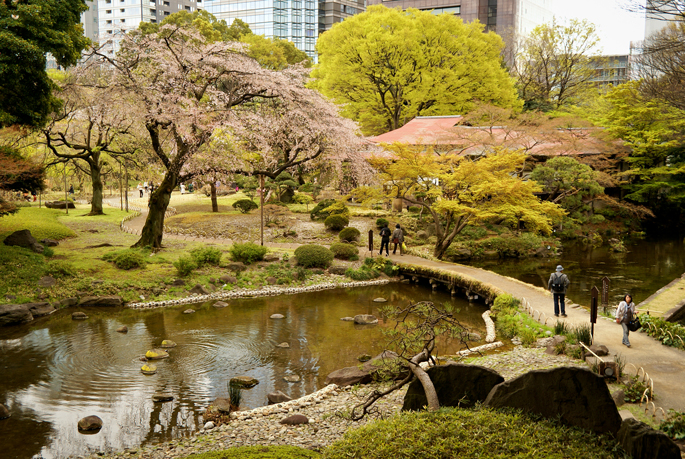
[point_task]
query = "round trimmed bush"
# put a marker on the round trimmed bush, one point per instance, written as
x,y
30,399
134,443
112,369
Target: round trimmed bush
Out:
x,y
318,212
185,265
336,222
344,251
381,222
313,256
245,205
338,208
349,234
247,253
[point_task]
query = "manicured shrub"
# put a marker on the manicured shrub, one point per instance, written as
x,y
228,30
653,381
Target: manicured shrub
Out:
x,y
338,208
247,253
60,268
362,273
414,209
206,255
126,259
245,205
185,265
345,251
313,256
336,222
470,433
349,234
318,212
381,222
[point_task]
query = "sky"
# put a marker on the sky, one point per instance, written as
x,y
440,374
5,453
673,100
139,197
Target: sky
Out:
x,y
616,26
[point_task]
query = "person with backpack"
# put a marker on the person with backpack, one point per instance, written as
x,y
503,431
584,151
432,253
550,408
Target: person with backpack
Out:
x,y
625,313
557,284
385,240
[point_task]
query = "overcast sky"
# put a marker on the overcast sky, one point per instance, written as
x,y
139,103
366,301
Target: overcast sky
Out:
x,y
615,26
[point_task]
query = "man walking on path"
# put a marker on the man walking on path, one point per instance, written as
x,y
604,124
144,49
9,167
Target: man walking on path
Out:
x,y
385,240
557,284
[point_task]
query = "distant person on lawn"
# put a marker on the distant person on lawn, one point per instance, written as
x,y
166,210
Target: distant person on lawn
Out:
x,y
558,284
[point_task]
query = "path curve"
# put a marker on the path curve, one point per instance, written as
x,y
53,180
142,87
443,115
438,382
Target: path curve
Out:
x,y
664,364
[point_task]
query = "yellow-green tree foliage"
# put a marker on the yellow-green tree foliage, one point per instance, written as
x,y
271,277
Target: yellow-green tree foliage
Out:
x,y
458,190
387,66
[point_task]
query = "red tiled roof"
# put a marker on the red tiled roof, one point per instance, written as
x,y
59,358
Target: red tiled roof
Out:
x,y
422,130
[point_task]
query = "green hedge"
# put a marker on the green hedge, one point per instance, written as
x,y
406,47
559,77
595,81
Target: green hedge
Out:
x,y
245,205
319,212
126,259
336,222
478,433
247,253
313,256
206,256
345,251
349,234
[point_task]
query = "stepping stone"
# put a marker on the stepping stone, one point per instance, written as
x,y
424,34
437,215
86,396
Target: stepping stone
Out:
x,y
162,398
79,316
156,354
189,311
244,381
148,369
292,378
277,316
379,300
122,329
284,345
167,344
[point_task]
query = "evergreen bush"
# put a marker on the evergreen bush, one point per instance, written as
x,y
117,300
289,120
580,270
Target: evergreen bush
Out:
x,y
247,252
313,256
318,212
336,222
381,222
245,205
126,259
345,251
206,255
349,234
185,265
362,273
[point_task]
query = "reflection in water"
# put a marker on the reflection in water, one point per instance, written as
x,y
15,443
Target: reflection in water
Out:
x,y
645,268
57,371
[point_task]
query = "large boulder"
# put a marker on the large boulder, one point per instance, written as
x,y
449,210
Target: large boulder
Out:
x,y
244,382
199,290
365,319
277,397
12,314
456,384
23,238
40,309
60,205
350,376
577,396
642,442
222,405
112,300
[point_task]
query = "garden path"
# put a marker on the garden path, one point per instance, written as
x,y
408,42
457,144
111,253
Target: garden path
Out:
x,y
665,365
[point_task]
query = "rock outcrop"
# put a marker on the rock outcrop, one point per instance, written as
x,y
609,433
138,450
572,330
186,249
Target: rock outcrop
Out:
x,y
23,238
355,375
642,442
14,314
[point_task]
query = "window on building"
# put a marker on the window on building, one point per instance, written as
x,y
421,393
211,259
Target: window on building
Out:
x,y
153,20
108,11
122,10
109,21
108,2
166,3
153,12
166,13
122,20
187,8
109,32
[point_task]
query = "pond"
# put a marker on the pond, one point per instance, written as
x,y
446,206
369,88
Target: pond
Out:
x,y
644,269
56,370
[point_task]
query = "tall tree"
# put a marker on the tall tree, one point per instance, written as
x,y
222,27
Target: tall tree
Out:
x,y
552,65
29,30
456,190
91,125
386,66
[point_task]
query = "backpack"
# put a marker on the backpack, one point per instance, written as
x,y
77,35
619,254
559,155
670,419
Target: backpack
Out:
x,y
558,284
385,232
628,314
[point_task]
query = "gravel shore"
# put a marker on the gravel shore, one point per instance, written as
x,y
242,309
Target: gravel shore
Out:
x,y
326,411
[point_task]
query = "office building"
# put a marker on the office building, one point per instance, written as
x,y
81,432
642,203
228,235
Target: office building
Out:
x,y
501,16
611,70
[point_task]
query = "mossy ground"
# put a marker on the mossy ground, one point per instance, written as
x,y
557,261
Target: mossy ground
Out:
x,y
259,452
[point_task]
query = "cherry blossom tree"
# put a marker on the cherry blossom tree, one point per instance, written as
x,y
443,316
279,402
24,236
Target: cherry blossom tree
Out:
x,y
185,88
91,126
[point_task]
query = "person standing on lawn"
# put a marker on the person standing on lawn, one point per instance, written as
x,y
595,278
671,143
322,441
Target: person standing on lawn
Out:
x,y
558,284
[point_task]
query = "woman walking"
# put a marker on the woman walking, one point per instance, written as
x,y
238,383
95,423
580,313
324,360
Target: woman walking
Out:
x,y
625,313
398,238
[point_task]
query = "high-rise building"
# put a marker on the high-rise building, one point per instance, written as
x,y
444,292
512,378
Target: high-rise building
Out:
x,y
293,20
116,17
333,11
501,16
611,70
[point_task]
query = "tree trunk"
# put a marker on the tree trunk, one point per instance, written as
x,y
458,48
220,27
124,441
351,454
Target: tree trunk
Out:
x,y
425,380
96,178
215,204
153,230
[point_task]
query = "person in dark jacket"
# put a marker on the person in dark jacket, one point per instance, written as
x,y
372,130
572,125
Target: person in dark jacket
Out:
x,y
385,240
558,284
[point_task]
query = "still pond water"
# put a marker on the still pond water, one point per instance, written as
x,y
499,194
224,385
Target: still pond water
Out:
x,y
645,268
56,371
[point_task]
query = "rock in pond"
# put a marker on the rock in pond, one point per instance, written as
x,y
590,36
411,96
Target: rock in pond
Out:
x,y
189,311
277,397
4,412
158,398
243,381
222,405
364,358
11,314
90,423
220,304
295,420
292,378
108,301
78,315
365,319
277,316
41,309
347,319
350,376
283,345
122,329
379,300
148,369
167,344
156,354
